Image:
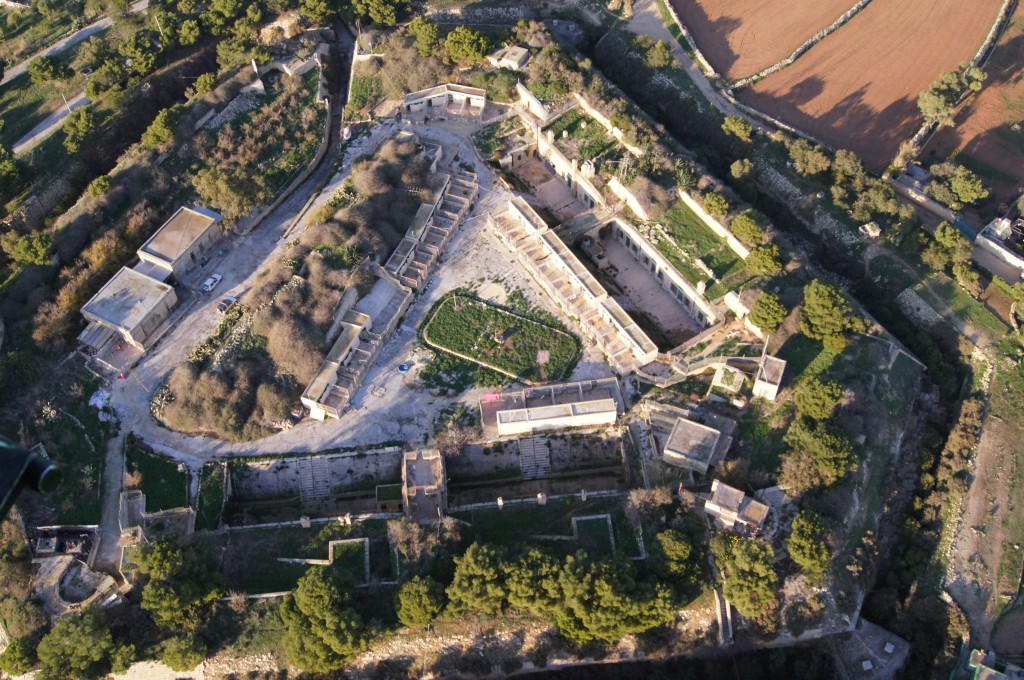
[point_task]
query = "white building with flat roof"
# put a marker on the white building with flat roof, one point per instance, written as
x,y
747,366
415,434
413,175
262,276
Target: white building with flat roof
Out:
x,y
180,244
447,98
592,403
131,305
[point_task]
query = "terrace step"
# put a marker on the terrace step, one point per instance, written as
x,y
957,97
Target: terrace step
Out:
x,y
534,458
314,479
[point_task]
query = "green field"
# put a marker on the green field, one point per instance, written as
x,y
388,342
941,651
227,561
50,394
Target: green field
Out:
x,y
501,340
165,487
211,497
591,137
965,307
690,239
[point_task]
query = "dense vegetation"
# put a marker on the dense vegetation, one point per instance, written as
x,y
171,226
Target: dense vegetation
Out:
x,y
498,339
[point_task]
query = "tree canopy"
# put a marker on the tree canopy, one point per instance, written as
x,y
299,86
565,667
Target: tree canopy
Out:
x,y
809,159
817,458
827,315
938,103
324,631
426,34
716,205
465,45
955,185
32,248
420,600
768,312
765,260
181,583
80,646
816,399
383,12
806,544
479,584
76,126
46,68
738,127
748,576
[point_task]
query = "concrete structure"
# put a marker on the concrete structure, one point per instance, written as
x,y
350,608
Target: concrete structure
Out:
x,y
594,403
692,446
769,377
178,247
1004,239
513,57
448,98
424,490
567,280
670,279
985,666
731,509
131,305
363,331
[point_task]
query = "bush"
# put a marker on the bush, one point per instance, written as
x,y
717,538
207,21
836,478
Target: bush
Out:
x,y
426,34
716,205
19,657
764,261
465,45
738,127
806,544
205,83
827,313
99,186
183,654
809,159
768,312
741,168
47,68
161,131
420,601
746,229
818,458
76,126
817,400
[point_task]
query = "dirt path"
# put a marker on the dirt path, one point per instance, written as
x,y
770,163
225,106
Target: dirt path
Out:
x,y
978,545
109,557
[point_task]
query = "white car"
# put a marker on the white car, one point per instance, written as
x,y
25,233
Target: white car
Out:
x,y
211,283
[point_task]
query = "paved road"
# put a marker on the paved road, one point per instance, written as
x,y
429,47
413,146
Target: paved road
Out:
x,y
48,125
71,40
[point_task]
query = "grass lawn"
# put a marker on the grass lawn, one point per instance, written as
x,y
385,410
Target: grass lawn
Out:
x,y
595,537
691,239
590,138
965,307
352,558
211,497
805,359
165,487
500,340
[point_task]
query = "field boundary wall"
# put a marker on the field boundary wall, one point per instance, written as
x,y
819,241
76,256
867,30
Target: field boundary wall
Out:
x,y
705,66
811,42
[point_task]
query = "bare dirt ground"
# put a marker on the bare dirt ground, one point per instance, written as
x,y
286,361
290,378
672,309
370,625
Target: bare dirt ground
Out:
x,y
857,89
978,545
741,37
984,136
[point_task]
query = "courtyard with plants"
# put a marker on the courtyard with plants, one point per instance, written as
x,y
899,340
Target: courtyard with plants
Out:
x,y
497,339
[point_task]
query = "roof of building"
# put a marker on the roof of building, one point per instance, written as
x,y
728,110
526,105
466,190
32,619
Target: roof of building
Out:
x,y
184,227
733,500
516,54
127,298
771,370
445,88
692,440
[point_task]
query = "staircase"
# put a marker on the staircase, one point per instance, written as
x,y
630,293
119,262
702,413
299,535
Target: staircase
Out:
x,y
534,458
314,479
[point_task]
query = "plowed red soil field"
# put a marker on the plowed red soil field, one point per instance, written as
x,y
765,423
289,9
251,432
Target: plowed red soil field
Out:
x,y
857,89
984,136
741,37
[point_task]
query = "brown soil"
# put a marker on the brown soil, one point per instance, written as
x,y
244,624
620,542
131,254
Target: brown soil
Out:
x,y
984,131
741,37
978,546
857,89
999,303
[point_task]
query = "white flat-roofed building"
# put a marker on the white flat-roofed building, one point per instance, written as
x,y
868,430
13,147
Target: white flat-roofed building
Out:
x,y
513,57
130,304
180,244
729,507
446,98
692,446
593,403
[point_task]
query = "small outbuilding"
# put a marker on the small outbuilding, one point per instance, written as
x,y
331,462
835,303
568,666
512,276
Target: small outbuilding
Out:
x,y
514,57
448,98
692,446
732,509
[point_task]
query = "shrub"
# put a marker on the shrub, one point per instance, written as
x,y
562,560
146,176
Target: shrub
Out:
x,y
817,399
738,127
746,229
827,313
19,657
76,126
47,68
716,205
465,45
768,312
741,168
27,248
183,654
764,261
420,601
205,83
100,185
809,159
806,544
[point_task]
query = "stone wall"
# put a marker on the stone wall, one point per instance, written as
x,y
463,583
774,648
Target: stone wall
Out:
x,y
714,225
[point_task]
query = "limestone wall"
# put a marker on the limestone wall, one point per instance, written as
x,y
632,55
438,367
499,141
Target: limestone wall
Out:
x,y
714,225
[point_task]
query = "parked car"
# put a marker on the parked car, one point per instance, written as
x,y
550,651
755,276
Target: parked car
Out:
x,y
211,283
226,304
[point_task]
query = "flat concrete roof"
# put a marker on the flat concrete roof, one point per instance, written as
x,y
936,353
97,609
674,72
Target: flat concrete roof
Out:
x,y
732,499
444,89
184,227
126,299
692,440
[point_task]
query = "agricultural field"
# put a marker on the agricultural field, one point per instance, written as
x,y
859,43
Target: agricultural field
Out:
x,y
741,37
857,89
989,133
501,340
